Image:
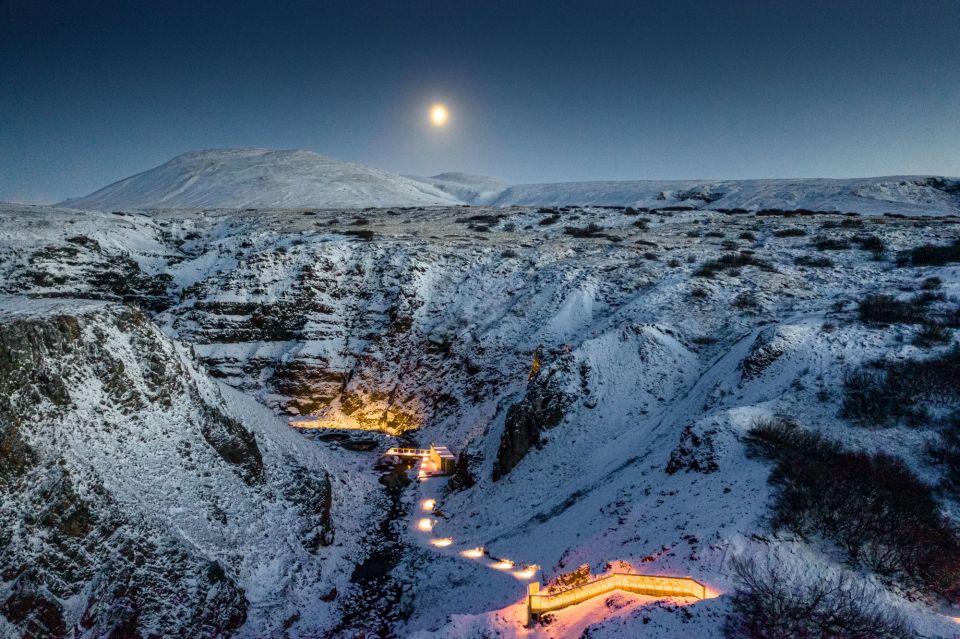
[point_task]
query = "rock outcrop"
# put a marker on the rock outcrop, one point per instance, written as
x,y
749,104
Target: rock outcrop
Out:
x,y
124,481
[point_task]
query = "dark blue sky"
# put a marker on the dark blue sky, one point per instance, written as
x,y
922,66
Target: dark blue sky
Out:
x,y
94,90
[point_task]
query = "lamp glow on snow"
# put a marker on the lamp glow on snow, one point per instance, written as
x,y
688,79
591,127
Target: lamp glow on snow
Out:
x,y
427,505
425,525
473,553
527,572
442,542
503,564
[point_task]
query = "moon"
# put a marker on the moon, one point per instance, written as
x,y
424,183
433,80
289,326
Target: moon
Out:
x,y
439,114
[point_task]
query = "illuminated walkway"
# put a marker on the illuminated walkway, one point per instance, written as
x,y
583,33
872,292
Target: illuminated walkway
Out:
x,y
436,460
539,603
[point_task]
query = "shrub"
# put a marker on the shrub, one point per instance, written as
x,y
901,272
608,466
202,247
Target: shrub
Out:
x,y
932,333
871,505
769,605
714,234
642,223
747,235
947,453
791,232
732,261
886,392
931,255
363,234
591,230
870,243
746,301
931,284
824,243
887,309
812,260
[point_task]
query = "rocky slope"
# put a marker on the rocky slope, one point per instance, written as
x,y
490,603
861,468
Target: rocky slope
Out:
x,y
138,500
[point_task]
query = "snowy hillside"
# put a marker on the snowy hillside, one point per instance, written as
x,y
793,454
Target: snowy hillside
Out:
x,y
256,178
468,188
697,372
911,195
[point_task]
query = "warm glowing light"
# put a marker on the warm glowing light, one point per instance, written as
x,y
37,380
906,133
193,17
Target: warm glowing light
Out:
x,y
710,593
425,525
473,553
442,542
526,573
503,564
439,114
427,505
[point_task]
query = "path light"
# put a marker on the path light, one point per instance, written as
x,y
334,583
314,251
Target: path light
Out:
x,y
473,553
527,572
503,564
442,542
425,525
427,505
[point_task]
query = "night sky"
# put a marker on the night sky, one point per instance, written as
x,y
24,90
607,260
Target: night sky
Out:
x,y
93,91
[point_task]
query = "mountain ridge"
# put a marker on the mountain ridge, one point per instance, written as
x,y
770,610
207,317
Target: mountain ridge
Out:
x,y
262,178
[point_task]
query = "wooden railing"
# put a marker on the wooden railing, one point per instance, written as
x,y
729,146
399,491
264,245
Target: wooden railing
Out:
x,y
539,603
408,452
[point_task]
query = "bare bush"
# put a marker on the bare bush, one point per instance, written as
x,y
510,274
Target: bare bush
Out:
x,y
731,261
769,605
813,260
887,309
883,393
790,232
871,505
824,243
931,255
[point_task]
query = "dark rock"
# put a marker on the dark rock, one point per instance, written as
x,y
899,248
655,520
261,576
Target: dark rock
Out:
x,y
542,408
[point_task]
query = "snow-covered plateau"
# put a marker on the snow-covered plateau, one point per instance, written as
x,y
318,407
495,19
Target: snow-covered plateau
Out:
x,y
734,394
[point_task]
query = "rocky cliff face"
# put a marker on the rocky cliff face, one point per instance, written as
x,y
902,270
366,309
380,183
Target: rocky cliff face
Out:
x,y
541,408
123,480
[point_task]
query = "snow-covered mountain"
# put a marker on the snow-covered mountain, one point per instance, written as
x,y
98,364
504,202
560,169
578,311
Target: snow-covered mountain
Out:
x,y
663,340
257,178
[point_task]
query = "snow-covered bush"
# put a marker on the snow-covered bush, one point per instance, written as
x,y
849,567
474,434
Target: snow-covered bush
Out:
x,y
871,505
771,605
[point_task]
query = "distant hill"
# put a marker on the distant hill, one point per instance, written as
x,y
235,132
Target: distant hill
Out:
x,y
244,178
257,178
899,194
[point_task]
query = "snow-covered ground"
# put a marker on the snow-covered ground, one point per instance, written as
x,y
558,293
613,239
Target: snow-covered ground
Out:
x,y
425,321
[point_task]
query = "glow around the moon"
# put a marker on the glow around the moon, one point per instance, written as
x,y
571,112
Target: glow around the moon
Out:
x,y
439,114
